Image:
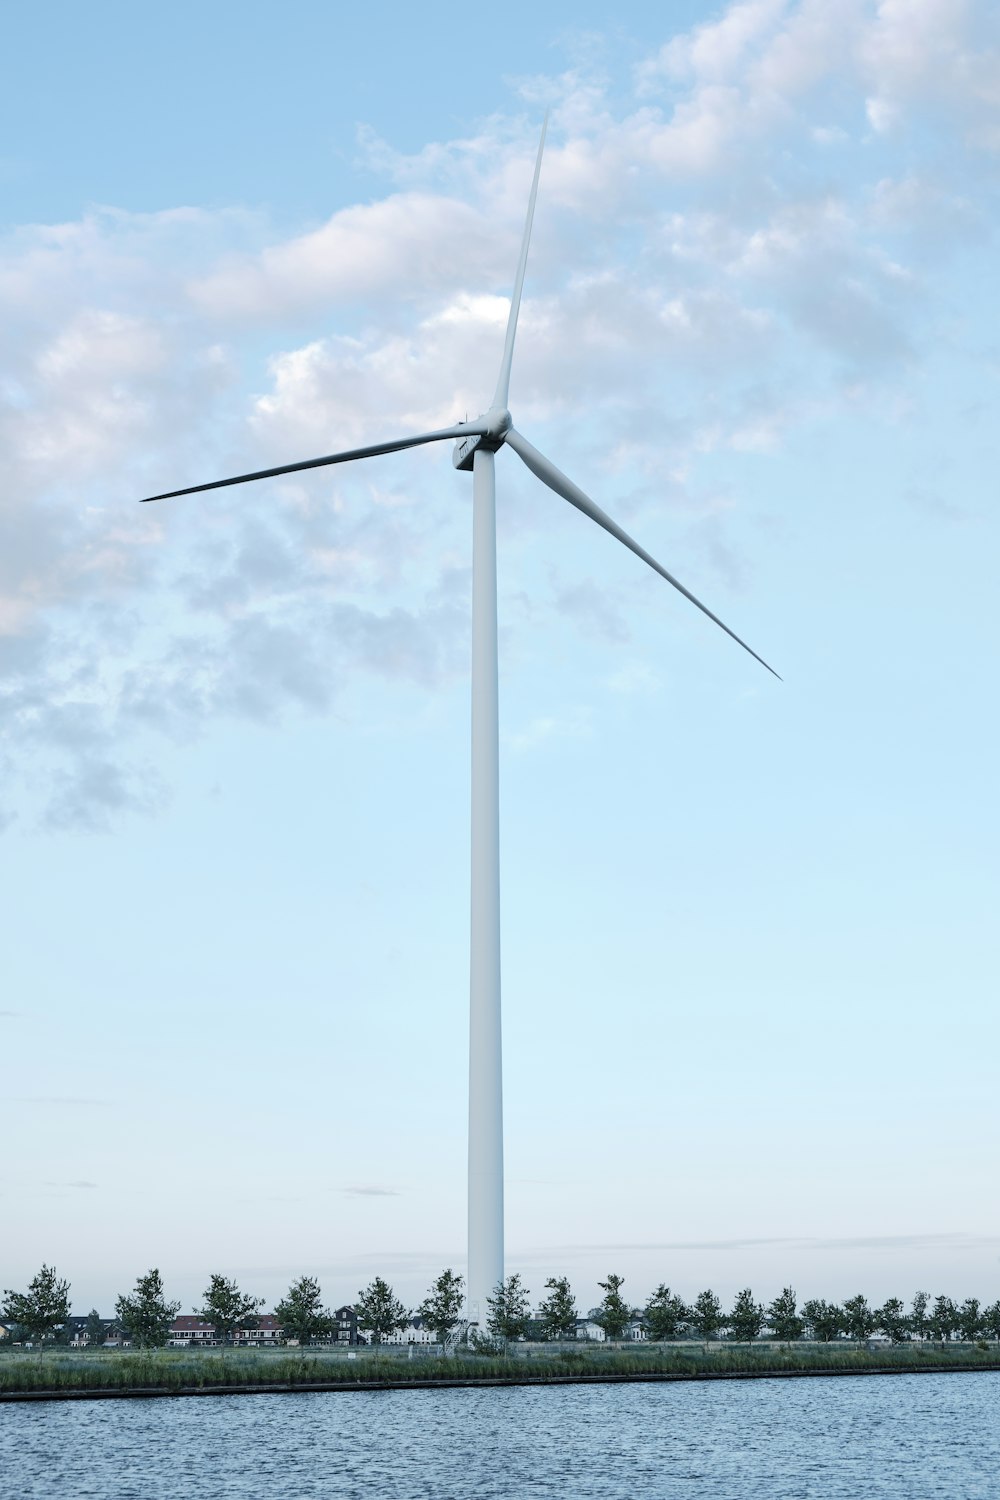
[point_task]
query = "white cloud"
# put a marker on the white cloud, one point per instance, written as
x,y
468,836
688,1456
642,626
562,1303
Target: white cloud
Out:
x,y
882,114
404,248
702,279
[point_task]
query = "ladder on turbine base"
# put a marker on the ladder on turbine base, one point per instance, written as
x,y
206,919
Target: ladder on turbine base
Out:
x,y
456,1337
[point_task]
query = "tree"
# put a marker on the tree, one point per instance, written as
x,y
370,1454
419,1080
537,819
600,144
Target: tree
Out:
x,y
782,1317
95,1329
991,1320
40,1310
664,1314
892,1320
227,1308
614,1312
943,1320
918,1315
507,1317
747,1317
970,1319
705,1315
147,1316
859,1320
826,1319
379,1311
441,1307
301,1315
558,1309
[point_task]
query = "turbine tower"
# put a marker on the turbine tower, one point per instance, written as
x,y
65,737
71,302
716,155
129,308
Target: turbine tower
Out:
x,y
476,444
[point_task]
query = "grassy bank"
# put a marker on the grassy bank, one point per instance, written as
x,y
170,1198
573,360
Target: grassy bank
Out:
x,y
68,1374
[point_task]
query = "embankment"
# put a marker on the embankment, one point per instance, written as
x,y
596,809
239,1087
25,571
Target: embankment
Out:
x,y
56,1376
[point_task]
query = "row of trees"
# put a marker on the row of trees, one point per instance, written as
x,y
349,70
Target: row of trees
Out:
x,y
667,1316
146,1315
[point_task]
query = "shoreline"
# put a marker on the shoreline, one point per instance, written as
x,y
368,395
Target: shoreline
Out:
x,y
466,1382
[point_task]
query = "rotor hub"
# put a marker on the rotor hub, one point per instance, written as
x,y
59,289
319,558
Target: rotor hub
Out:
x,y
498,423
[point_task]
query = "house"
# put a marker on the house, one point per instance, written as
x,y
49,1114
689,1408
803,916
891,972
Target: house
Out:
x,y
415,1331
75,1329
266,1334
589,1328
345,1329
189,1331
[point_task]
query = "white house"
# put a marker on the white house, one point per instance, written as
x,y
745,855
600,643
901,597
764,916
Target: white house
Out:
x,y
414,1332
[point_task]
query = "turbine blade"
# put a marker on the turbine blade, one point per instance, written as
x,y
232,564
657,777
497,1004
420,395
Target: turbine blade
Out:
x,y
550,475
503,379
464,429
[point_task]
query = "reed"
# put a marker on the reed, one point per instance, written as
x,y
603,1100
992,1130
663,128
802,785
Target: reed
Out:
x,y
66,1373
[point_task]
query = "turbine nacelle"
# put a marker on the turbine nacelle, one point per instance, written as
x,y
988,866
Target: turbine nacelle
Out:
x,y
490,434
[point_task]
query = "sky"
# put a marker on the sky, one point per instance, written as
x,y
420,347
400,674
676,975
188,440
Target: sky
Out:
x,y
749,948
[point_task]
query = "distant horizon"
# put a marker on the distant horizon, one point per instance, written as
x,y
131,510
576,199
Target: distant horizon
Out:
x,y
412,1289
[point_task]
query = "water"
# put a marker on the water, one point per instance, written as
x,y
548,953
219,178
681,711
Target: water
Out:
x,y
915,1437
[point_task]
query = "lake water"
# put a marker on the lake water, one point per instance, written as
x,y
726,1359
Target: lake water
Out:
x,y
910,1436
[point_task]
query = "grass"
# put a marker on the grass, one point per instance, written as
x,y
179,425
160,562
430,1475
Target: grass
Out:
x,y
64,1373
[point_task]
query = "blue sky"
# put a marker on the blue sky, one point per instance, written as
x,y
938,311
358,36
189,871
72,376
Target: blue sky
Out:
x,y
749,927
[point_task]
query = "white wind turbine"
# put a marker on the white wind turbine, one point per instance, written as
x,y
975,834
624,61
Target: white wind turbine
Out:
x,y
476,444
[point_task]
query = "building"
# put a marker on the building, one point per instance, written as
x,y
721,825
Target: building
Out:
x,y
345,1329
189,1331
589,1328
77,1337
267,1333
413,1332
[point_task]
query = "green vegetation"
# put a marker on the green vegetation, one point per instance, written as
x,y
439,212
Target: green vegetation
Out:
x,y
441,1309
664,1314
84,1354
228,1309
508,1316
746,1320
782,1317
147,1315
301,1313
63,1373
614,1314
379,1311
705,1315
558,1309
40,1310
95,1328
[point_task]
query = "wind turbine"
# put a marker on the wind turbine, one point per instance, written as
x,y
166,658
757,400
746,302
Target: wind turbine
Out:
x,y
476,443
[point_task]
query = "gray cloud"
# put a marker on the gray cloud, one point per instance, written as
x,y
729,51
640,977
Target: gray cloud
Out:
x,y
363,1191
591,606
95,790
888,1242
936,506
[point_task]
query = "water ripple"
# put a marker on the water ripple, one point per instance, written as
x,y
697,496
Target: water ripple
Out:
x,y
908,1437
